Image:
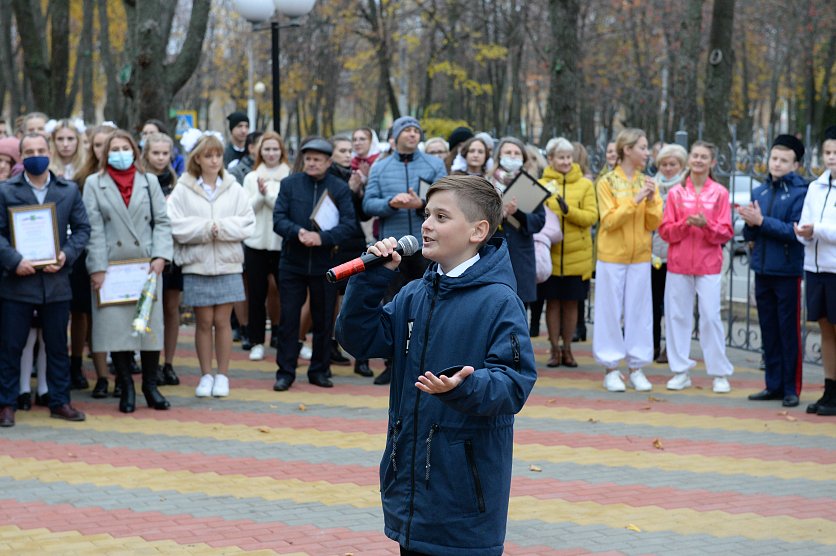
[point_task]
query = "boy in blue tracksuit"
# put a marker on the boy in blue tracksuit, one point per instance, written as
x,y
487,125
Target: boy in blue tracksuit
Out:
x,y
445,476
777,260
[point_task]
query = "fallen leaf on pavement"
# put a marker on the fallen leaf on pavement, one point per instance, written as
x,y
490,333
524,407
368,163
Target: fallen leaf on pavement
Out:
x,y
592,420
550,402
658,444
783,413
263,429
790,418
535,468
655,399
646,408
632,527
302,407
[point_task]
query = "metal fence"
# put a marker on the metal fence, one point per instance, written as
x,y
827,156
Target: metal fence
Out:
x,y
742,168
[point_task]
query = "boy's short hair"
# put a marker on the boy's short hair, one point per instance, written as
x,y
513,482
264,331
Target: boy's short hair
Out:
x,y
477,198
789,143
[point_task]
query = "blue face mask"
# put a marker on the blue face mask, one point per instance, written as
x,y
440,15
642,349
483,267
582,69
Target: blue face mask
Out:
x,y
121,160
36,165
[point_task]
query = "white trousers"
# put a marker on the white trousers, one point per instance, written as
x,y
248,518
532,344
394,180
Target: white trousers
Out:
x,y
622,291
680,290
26,360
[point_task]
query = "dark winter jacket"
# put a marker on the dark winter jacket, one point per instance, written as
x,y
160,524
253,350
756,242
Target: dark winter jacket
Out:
x,y
294,206
398,174
445,476
777,252
42,287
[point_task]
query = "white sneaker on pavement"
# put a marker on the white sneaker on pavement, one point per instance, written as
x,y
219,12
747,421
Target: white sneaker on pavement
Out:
x,y
640,382
614,382
679,381
221,387
721,385
306,352
257,352
204,387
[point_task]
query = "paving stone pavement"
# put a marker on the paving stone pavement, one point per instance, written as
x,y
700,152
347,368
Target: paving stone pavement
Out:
x,y
260,472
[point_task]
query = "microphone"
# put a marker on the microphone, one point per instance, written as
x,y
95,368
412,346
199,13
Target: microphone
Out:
x,y
407,246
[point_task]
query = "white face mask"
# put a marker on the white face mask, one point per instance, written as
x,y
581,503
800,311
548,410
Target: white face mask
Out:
x,y
511,164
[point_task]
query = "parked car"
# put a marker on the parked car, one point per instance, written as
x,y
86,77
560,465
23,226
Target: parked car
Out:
x,y
740,194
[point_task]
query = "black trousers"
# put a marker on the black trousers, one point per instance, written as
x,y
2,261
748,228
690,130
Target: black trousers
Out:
x,y
658,277
260,264
15,323
293,288
779,315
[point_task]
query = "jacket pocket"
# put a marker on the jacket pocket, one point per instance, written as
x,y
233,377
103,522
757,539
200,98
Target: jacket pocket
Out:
x,y
474,473
451,478
515,351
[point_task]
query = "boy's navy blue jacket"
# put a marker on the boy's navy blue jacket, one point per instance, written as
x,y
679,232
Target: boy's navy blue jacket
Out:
x,y
42,287
297,198
777,252
445,476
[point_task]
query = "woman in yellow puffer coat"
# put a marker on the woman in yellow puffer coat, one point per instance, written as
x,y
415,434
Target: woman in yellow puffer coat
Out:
x,y
573,201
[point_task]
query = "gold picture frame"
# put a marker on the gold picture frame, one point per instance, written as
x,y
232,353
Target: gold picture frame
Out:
x,y
127,279
34,233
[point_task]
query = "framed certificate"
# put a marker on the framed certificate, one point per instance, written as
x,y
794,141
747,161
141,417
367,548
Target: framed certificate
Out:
x,y
34,231
325,214
123,282
528,192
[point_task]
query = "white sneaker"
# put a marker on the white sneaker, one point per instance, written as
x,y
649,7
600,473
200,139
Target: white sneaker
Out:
x,y
204,387
306,352
614,382
721,385
257,352
220,389
640,382
679,381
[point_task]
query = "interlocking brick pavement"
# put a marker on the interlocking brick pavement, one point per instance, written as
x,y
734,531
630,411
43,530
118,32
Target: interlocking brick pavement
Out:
x,y
295,472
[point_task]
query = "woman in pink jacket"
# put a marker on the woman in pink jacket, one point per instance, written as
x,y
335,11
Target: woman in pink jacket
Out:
x,y
696,224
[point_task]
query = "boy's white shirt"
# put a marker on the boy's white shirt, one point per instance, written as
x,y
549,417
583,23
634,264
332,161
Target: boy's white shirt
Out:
x,y
459,270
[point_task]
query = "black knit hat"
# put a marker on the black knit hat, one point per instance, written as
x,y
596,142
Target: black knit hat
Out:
x,y
830,133
236,118
459,136
792,143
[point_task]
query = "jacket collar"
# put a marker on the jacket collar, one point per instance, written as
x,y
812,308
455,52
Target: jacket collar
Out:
x,y
191,182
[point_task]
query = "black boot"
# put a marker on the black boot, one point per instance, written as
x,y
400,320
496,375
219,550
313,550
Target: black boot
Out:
x,y
77,380
386,376
246,344
337,356
100,389
826,406
124,380
153,398
274,336
361,367
170,378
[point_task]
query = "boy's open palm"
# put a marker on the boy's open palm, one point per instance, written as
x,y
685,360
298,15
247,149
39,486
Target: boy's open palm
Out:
x,y
432,384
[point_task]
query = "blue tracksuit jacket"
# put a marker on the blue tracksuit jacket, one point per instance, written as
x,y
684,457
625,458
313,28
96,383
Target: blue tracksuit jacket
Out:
x,y
777,252
445,476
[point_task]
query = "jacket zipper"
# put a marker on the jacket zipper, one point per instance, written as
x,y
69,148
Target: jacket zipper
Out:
x,y
415,412
433,430
394,431
821,219
409,211
763,243
310,249
562,227
474,472
515,349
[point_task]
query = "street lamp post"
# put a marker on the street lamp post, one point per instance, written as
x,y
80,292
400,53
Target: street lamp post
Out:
x,y
257,11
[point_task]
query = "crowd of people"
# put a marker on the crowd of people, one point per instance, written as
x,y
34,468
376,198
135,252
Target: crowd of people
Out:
x,y
244,235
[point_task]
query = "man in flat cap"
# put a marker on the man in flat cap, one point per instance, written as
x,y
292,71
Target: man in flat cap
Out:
x,y
239,127
307,254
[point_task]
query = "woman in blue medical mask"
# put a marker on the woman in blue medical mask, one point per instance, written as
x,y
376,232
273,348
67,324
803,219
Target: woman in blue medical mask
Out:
x,y
518,227
128,220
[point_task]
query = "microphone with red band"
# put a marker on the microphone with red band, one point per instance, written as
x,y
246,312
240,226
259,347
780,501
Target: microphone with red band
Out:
x,y
407,246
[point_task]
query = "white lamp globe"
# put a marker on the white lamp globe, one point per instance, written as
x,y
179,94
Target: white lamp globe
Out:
x,y
294,8
259,88
255,10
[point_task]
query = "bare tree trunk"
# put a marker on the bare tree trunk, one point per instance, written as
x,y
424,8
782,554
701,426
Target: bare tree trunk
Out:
x,y
719,72
685,85
60,55
563,53
823,101
154,81
85,55
8,70
113,99
36,67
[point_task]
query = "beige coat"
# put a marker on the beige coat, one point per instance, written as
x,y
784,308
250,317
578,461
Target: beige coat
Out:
x,y
120,233
192,215
264,237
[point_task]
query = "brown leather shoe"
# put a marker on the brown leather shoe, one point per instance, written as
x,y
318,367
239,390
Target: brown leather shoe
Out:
x,y
67,412
554,361
7,416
